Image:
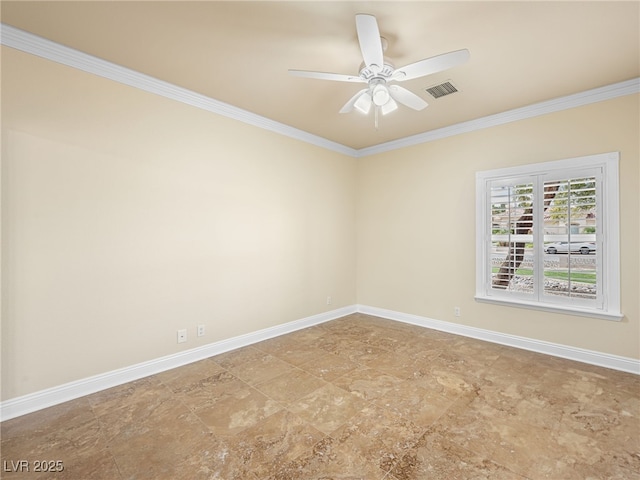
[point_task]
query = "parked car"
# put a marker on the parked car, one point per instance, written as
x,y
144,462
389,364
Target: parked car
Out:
x,y
584,248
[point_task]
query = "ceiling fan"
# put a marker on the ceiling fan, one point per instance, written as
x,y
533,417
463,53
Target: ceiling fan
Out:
x,y
378,73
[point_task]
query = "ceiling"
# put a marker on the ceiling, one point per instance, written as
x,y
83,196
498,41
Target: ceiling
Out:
x,y
239,53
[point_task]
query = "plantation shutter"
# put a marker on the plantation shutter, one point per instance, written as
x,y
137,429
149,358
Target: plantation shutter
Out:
x,y
544,242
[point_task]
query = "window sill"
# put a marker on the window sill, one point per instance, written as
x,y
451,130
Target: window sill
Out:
x,y
546,307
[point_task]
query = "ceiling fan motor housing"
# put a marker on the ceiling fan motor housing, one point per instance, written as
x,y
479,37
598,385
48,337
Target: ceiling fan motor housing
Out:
x,y
369,73
377,79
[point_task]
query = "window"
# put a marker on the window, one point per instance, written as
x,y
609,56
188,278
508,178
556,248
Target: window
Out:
x,y
547,236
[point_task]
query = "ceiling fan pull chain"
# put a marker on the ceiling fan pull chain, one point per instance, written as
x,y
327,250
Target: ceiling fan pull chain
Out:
x,y
376,116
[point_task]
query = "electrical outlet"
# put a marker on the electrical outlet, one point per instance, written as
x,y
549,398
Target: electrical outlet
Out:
x,y
201,329
182,335
456,311
328,300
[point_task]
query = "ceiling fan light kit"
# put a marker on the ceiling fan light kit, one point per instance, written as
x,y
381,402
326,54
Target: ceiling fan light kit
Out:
x,y
380,94
362,103
377,72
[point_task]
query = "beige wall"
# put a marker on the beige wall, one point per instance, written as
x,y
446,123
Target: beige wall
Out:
x,y
127,216
416,223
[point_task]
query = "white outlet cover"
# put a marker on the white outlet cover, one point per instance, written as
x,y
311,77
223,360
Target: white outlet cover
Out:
x,y
182,336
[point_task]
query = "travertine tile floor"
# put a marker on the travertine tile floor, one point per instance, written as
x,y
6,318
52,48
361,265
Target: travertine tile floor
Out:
x,y
355,398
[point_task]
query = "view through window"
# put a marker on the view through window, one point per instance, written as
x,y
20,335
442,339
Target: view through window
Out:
x,y
546,234
569,209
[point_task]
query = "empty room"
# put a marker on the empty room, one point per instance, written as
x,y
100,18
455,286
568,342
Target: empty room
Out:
x,y
320,240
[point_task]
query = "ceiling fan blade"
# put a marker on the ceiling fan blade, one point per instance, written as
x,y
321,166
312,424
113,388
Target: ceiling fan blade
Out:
x,y
431,65
404,96
338,77
370,42
349,105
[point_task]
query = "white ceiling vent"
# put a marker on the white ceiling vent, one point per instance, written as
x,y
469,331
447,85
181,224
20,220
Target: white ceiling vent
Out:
x,y
442,89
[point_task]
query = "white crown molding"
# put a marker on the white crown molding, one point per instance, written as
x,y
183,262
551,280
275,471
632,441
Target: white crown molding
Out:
x,y
600,94
32,402
41,47
49,50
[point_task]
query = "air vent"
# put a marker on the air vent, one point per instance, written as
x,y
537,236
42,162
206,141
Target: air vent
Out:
x,y
441,90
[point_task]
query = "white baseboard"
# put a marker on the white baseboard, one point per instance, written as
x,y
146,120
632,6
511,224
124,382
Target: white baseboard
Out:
x,y
607,360
32,402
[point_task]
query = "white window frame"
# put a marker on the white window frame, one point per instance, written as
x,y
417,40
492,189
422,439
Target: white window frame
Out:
x,y
608,307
